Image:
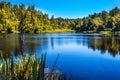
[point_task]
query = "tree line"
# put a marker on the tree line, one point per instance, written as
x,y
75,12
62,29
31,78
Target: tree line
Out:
x,y
23,19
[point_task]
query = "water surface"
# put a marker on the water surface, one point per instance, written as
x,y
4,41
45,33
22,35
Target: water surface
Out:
x,y
85,56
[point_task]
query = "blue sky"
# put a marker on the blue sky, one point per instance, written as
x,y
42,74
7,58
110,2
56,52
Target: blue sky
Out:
x,y
70,8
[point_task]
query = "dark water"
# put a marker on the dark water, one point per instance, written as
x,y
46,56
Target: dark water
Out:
x,y
85,56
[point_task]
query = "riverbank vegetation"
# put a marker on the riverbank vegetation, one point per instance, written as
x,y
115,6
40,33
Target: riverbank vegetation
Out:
x,y
27,68
27,19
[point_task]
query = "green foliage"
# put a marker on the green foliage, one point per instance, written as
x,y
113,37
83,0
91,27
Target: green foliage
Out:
x,y
19,19
25,68
22,19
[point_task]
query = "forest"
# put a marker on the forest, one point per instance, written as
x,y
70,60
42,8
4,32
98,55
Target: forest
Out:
x,y
27,19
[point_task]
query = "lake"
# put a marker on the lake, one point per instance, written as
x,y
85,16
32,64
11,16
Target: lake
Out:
x,y
85,56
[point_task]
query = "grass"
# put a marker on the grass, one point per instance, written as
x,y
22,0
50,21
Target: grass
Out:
x,y
26,68
105,32
58,30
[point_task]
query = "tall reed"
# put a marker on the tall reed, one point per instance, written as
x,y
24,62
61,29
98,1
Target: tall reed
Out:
x,y
26,68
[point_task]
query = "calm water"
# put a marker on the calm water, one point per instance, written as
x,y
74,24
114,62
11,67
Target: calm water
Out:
x,y
85,56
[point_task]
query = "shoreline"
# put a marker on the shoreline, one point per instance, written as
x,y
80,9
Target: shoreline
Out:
x,y
69,30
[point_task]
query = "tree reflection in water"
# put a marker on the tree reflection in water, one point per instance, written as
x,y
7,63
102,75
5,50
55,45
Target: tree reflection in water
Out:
x,y
16,45
11,45
20,44
110,44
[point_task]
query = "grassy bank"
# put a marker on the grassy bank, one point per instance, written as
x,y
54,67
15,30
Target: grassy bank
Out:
x,y
58,30
40,32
